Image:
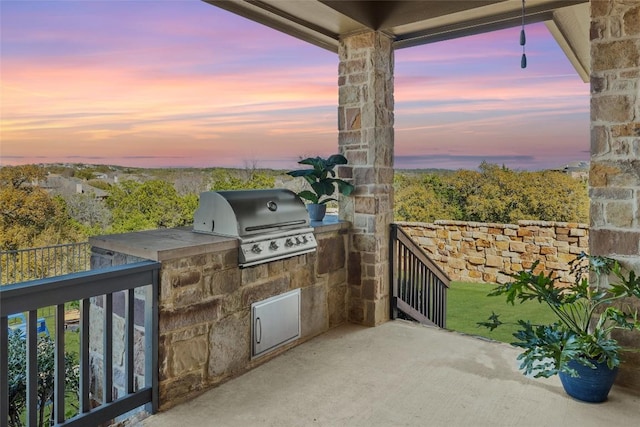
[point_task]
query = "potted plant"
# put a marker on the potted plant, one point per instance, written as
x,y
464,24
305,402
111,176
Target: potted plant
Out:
x,y
579,346
323,183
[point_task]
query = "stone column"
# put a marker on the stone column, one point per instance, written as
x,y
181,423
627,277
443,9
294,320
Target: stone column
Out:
x,y
614,177
365,124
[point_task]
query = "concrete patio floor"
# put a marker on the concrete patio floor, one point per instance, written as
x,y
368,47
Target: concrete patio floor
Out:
x,y
397,374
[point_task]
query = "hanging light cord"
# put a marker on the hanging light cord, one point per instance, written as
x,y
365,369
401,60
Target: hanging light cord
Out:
x,y
523,40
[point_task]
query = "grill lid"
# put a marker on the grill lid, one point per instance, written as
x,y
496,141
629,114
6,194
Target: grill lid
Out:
x,y
245,213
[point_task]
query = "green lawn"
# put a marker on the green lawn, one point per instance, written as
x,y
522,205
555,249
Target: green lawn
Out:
x,y
468,303
71,336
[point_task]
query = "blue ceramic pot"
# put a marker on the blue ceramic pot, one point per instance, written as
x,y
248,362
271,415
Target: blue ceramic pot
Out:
x,y
317,211
592,385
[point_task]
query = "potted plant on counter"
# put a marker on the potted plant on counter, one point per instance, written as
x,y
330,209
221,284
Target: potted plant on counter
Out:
x,y
323,181
579,346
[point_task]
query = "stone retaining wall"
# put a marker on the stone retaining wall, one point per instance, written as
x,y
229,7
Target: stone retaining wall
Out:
x,y
483,252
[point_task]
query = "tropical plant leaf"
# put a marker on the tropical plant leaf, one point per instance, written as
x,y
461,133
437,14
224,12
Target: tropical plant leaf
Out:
x,y
337,159
322,178
308,195
547,349
493,322
301,172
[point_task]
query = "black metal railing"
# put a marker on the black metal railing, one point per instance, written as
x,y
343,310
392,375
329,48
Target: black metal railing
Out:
x,y
48,261
135,281
418,285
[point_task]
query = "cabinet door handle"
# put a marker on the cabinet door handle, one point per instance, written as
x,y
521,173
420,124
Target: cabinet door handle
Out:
x,y
258,330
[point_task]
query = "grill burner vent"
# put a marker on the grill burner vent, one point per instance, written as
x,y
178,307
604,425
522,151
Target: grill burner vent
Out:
x,y
270,224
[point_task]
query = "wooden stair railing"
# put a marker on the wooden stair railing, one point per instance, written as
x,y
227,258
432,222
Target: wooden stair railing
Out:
x,y
418,285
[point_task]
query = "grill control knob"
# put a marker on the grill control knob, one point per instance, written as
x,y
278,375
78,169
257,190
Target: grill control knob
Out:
x,y
298,240
304,239
256,248
273,246
288,243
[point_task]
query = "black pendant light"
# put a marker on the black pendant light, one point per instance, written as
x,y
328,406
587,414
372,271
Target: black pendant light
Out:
x,y
523,41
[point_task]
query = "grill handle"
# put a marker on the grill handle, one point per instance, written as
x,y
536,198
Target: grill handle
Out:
x,y
271,226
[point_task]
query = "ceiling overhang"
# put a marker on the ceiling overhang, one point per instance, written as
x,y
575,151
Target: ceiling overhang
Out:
x,y
416,22
570,28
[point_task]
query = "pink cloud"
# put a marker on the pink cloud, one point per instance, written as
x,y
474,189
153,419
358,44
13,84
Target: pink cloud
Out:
x,y
199,86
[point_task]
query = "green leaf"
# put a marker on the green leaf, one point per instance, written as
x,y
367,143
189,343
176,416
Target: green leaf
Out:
x,y
301,172
323,188
337,159
308,195
493,322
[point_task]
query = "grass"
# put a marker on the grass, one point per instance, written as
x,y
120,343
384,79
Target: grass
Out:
x,y
468,303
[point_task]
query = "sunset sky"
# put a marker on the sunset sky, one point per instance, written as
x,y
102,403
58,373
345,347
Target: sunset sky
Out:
x,y
183,83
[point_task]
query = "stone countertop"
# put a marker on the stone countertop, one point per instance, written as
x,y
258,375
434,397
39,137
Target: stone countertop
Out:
x,y
171,243
164,243
330,223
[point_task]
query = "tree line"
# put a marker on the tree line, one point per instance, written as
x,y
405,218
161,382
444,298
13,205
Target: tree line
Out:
x,y
33,217
493,193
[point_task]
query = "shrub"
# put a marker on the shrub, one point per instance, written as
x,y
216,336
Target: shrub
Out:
x,y
17,374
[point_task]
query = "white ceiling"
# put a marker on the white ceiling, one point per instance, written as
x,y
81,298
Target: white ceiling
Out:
x,y
415,22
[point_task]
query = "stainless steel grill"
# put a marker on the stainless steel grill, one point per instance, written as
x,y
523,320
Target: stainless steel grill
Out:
x,y
270,224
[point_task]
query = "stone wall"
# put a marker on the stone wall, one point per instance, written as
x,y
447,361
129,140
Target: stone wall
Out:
x,y
204,309
483,252
614,177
